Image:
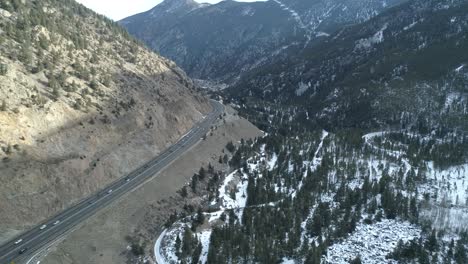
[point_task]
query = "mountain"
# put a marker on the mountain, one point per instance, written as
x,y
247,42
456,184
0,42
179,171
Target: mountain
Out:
x,y
405,67
81,104
221,42
364,158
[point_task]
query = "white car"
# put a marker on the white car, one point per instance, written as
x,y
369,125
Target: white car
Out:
x,y
57,222
109,191
43,227
18,241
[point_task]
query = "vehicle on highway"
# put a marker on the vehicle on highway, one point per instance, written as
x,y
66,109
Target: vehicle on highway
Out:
x,y
53,229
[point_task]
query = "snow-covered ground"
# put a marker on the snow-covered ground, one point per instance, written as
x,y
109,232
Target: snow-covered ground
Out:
x,y
448,191
296,17
448,186
372,242
164,249
225,200
232,195
312,164
272,162
205,241
378,37
392,153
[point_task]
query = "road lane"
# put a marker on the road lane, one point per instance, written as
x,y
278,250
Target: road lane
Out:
x,y
36,239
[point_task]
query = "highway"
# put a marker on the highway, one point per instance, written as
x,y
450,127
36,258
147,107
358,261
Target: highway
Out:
x,y
23,247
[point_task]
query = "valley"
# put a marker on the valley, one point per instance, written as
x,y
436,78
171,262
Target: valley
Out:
x,y
282,131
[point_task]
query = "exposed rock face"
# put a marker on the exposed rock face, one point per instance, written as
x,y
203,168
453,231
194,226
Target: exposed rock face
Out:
x,y
81,104
220,42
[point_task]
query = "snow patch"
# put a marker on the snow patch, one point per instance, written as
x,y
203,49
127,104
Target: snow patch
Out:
x,y
272,162
205,241
240,199
303,87
375,39
372,242
410,26
248,11
322,34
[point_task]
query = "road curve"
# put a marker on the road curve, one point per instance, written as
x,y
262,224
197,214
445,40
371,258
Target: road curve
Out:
x,y
46,233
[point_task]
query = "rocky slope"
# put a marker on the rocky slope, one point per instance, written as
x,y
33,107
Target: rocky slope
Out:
x,y
405,67
82,104
220,42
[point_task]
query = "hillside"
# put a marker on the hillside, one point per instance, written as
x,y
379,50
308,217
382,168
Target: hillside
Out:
x,y
404,68
82,103
365,154
223,41
312,196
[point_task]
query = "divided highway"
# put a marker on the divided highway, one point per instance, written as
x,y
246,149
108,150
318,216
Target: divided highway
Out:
x,y
23,247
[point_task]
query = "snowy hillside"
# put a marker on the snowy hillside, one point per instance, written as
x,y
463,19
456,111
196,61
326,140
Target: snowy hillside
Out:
x,y
326,199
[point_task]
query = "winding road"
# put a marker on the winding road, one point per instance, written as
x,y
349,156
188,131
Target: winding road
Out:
x,y
23,247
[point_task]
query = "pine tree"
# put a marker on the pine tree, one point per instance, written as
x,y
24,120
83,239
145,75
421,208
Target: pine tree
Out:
x,y
356,260
194,182
450,249
197,253
230,147
413,210
3,107
3,69
184,192
187,246
177,246
431,243
202,173
200,216
460,254
26,52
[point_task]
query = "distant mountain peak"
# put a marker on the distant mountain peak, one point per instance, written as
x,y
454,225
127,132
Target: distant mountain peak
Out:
x,y
172,6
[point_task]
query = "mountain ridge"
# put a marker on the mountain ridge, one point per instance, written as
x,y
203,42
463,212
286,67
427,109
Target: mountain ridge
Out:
x,y
359,58
198,42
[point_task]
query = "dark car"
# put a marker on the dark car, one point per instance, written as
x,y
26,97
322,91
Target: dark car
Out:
x,y
22,250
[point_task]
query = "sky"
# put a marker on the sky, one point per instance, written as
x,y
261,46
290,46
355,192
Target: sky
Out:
x,y
118,9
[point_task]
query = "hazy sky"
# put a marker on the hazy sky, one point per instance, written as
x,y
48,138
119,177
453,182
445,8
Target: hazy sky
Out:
x,y
118,9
